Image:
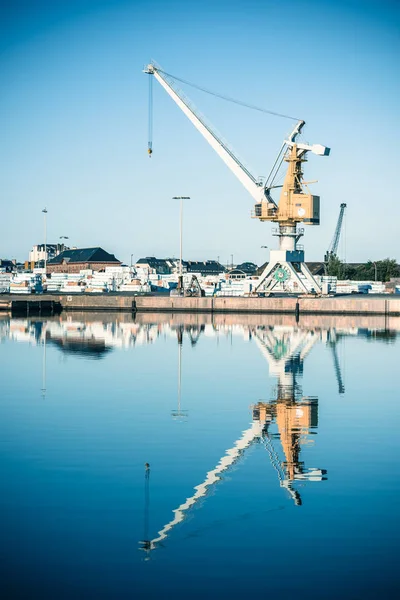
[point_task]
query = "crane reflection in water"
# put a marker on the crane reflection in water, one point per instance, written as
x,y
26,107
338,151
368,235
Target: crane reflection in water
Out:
x,y
294,416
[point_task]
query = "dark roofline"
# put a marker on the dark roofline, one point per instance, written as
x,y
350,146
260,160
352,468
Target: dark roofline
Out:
x,y
84,255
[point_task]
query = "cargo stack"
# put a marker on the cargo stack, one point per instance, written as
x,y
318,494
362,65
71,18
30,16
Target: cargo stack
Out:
x,y
5,283
26,283
56,281
73,284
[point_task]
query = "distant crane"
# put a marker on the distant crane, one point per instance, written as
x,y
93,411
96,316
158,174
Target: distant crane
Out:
x,y
332,250
286,270
338,371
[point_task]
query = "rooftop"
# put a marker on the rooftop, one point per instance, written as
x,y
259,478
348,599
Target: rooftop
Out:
x,y
83,255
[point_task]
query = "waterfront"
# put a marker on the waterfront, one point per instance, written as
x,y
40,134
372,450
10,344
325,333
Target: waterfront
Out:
x,y
369,304
272,456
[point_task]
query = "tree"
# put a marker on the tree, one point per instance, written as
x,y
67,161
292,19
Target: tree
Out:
x,y
385,269
335,267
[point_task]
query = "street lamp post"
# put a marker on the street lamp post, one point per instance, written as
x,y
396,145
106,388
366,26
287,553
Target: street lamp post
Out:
x,y
264,246
180,279
376,273
45,240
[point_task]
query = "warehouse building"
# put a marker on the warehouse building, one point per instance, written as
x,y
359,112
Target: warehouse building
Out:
x,y
73,261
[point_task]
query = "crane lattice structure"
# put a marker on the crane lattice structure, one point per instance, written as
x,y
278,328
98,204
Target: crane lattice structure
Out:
x,y
286,270
333,248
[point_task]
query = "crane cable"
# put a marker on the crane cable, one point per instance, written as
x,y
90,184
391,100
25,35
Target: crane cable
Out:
x,y
150,123
229,98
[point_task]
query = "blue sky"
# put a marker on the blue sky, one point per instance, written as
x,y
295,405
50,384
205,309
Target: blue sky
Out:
x,y
74,106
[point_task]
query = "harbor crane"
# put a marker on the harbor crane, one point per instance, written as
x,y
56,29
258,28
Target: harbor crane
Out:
x,y
333,248
286,270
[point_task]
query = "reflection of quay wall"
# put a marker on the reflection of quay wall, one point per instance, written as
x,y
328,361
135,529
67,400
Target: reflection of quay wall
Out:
x,y
307,321
272,320
225,320
378,305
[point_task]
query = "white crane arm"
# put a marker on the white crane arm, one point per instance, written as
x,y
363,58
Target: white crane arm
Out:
x,y
220,147
211,479
314,148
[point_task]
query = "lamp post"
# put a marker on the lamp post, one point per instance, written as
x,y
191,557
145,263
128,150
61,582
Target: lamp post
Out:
x,y
45,239
180,279
376,277
263,246
131,261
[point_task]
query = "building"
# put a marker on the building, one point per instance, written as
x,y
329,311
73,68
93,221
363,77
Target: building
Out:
x,y
73,261
42,252
161,266
166,266
205,268
7,265
246,269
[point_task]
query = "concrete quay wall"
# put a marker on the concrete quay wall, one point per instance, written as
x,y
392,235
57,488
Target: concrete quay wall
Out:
x,y
339,305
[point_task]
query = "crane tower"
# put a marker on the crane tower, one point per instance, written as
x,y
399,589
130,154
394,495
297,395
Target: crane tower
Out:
x,y
286,270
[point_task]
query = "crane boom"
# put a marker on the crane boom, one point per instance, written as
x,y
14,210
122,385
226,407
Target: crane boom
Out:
x,y
221,148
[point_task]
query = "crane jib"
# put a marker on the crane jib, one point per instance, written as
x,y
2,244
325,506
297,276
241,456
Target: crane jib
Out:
x,y
191,108
220,146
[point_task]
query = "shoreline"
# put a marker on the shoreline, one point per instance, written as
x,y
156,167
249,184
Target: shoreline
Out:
x,y
363,304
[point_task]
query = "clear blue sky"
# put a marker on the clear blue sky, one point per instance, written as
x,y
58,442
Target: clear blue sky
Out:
x,y
73,117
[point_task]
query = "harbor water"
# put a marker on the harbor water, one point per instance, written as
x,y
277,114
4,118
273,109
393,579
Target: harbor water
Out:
x,y
199,456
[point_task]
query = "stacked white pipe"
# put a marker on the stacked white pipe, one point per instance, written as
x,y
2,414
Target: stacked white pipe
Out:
x,y
26,283
73,284
56,281
5,279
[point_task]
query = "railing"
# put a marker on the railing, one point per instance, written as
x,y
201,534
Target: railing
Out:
x,y
297,233
261,212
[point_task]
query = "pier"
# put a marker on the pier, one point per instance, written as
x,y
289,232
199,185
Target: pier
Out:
x,y
388,305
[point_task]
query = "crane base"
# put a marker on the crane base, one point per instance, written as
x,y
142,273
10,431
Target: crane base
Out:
x,y
286,276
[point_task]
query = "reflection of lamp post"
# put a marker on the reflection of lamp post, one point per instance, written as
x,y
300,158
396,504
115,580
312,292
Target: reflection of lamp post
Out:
x,y
44,364
179,413
180,280
45,239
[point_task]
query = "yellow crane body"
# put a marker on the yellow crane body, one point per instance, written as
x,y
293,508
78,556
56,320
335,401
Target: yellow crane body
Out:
x,y
295,205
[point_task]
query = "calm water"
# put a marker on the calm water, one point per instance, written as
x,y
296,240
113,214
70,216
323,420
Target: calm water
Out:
x,y
272,450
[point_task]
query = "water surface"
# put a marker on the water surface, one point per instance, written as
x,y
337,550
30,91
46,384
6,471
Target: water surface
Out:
x,y
194,456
